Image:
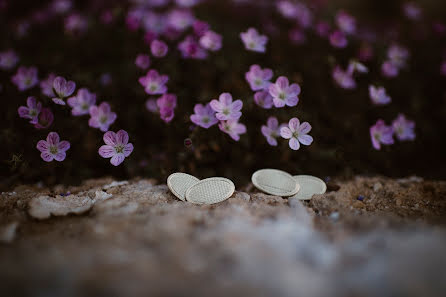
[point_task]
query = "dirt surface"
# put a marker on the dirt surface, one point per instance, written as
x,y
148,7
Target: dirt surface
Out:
x,y
364,237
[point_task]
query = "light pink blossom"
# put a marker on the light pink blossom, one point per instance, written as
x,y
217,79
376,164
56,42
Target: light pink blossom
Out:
x,y
62,89
253,41
297,133
381,134
264,99
403,128
258,78
117,147
283,93
204,116
31,111
226,109
53,148
82,102
233,128
101,116
378,95
154,83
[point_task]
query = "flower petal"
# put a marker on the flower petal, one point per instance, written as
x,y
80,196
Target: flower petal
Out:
x,y
216,105
225,99
63,146
294,144
294,124
47,157
60,156
53,138
237,105
122,137
286,133
42,146
304,128
305,139
23,112
128,149
282,82
117,159
110,138
106,151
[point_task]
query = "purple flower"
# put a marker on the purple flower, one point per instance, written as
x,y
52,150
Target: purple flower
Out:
x,y
45,119
53,148
166,106
233,128
271,131
378,95
355,66
343,78
297,133
159,48
101,116
62,89
190,48
46,85
283,93
322,29
381,134
253,41
403,128
151,105
81,102
200,27
338,39
25,78
388,69
8,60
412,11
346,23
204,116
211,41
117,147
142,61
263,99
154,83
31,111
180,19
76,23
397,55
226,109
258,78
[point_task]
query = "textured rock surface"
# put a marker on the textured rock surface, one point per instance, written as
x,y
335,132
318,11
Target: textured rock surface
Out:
x,y
365,237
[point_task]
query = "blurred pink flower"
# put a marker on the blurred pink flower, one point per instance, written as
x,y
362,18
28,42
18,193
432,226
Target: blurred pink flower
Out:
x,y
117,147
233,128
53,148
226,109
297,133
45,119
142,61
263,99
166,106
190,48
8,59
25,78
200,27
46,85
344,79
338,39
378,95
31,111
403,128
345,22
151,105
82,102
159,48
180,19
381,134
211,41
253,41
204,116
154,83
62,89
101,116
283,93
258,78
271,131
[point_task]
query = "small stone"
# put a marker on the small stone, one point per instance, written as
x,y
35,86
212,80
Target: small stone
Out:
x,y
377,187
8,232
334,216
43,207
115,184
101,196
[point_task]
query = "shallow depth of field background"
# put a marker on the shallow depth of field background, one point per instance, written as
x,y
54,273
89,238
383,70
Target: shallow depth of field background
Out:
x,y
340,118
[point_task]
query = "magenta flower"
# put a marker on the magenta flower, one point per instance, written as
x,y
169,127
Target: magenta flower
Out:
x,y
8,60
403,128
166,106
283,93
388,69
45,119
343,78
338,39
397,55
226,109
287,9
253,41
263,99
378,95
46,85
159,48
233,128
117,147
180,19
271,131
101,116
346,23
25,78
31,111
154,83
297,133
412,11
381,134
76,24
53,148
152,106
142,61
62,89
82,102
258,78
190,48
211,41
204,116
200,28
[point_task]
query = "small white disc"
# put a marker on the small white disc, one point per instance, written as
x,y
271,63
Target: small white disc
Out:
x,y
210,190
275,182
309,185
178,184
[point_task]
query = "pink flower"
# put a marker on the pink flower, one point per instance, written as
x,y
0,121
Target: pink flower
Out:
x,y
355,66
45,119
225,108
233,128
76,23
166,106
381,134
8,60
159,48
263,99
287,9
338,39
82,102
346,23
46,85
211,41
151,105
378,95
117,147
190,48
271,131
101,116
154,83
398,55
403,128
53,148
283,93
204,116
412,11
63,89
297,133
200,27
253,41
258,78
142,61
25,78
180,19
388,69
31,111
343,78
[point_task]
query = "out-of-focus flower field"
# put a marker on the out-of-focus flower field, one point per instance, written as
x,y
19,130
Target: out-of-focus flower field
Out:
x,y
211,87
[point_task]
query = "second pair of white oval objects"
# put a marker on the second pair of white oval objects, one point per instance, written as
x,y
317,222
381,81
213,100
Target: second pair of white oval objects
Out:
x,y
207,191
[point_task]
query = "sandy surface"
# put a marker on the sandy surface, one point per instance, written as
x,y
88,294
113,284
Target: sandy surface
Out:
x,y
364,237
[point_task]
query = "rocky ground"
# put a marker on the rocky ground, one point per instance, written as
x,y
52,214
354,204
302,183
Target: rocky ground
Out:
x,y
364,237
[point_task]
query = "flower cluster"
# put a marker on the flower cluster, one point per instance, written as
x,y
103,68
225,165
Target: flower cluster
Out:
x,y
396,60
401,127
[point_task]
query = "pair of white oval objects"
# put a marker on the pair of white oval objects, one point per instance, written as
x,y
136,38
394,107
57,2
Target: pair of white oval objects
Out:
x,y
281,183
207,191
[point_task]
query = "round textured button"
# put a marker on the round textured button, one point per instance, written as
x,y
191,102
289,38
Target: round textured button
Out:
x,y
210,190
178,184
275,182
309,185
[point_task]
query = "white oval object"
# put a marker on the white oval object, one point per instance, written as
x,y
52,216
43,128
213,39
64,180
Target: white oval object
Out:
x,y
309,185
275,182
210,190
178,184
